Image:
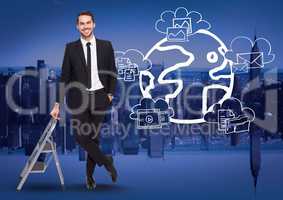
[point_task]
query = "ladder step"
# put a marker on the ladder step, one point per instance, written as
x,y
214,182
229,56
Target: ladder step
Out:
x,y
47,148
39,167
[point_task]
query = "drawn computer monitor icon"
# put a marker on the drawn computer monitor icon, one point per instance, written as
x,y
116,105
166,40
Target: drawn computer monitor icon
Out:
x,y
148,119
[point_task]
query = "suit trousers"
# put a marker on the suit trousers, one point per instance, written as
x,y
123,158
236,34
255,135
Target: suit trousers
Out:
x,y
86,126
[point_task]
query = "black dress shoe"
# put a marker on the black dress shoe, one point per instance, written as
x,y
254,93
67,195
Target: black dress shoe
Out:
x,y
112,171
90,183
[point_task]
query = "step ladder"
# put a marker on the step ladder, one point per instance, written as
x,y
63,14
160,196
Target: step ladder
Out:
x,y
46,145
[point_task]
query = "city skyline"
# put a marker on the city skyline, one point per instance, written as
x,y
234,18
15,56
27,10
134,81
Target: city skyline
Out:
x,y
196,111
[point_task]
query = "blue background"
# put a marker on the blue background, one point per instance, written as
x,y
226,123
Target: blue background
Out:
x,y
32,30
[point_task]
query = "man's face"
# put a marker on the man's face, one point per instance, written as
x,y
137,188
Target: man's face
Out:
x,y
85,25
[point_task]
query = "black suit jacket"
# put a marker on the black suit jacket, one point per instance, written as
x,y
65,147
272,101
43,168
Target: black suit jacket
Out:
x,y
74,69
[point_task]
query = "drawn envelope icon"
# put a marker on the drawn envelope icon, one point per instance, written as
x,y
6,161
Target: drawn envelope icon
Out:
x,y
240,68
255,59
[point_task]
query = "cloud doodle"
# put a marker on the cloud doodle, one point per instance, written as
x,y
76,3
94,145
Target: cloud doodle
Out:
x,y
181,18
241,46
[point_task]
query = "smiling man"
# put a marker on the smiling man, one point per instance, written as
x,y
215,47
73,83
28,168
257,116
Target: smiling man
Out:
x,y
89,73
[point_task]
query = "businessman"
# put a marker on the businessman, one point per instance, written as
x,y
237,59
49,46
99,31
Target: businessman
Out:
x,y
89,78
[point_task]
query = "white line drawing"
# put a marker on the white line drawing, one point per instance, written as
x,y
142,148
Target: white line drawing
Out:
x,y
223,118
161,79
176,34
129,64
183,23
146,92
254,58
151,114
148,119
240,68
243,59
231,116
179,24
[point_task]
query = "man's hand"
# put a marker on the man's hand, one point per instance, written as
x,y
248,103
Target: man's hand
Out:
x,y
55,111
110,97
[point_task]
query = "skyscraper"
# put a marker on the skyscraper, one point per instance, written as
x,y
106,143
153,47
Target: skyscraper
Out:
x,y
254,100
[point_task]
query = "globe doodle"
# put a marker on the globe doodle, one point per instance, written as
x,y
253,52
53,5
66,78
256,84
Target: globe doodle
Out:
x,y
203,51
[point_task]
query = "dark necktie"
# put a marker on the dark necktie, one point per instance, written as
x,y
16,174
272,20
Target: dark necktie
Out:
x,y
88,63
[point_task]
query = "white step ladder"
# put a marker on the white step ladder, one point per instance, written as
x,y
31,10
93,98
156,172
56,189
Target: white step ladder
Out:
x,y
44,145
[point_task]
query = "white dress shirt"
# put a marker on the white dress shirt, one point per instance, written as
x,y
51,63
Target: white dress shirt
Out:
x,y
95,82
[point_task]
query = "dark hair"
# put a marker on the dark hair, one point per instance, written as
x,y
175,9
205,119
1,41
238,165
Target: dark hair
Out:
x,y
88,13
